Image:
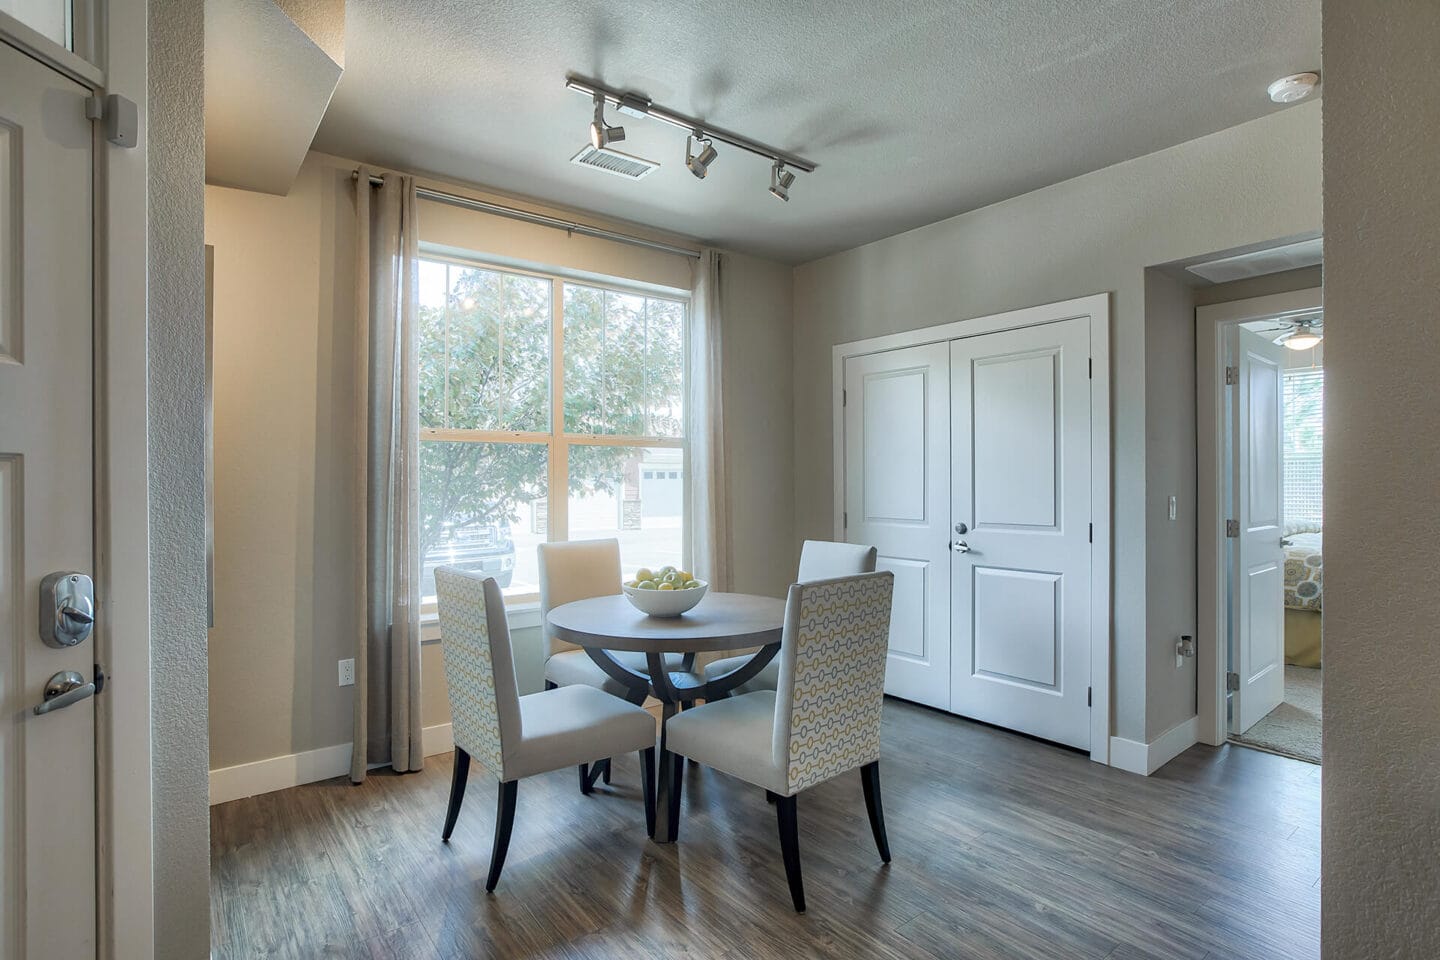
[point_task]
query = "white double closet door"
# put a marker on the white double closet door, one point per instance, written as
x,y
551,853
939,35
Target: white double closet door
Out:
x,y
967,465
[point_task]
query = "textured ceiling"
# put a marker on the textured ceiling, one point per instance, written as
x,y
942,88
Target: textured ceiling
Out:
x,y
914,111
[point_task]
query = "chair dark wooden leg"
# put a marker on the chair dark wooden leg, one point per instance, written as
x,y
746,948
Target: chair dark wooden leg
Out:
x,y
605,770
790,849
457,792
771,796
676,773
587,783
647,777
504,820
870,777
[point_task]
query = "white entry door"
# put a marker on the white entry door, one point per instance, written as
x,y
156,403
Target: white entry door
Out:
x,y
897,498
1020,468
47,760
1258,584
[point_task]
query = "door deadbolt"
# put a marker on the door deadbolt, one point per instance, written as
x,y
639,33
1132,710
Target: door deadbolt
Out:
x,y
961,528
67,609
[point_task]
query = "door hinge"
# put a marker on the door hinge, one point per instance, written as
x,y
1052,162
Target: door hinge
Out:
x,y
1089,696
1232,528
1232,376
845,520
844,398
1090,367
119,116
1232,681
1092,533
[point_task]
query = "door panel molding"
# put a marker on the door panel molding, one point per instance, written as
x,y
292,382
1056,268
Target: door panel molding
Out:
x,y
1097,308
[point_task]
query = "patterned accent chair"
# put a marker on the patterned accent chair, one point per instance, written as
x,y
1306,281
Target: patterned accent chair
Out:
x,y
516,736
579,570
822,720
819,560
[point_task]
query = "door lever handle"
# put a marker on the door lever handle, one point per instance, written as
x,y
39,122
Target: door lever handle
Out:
x,y
960,546
63,689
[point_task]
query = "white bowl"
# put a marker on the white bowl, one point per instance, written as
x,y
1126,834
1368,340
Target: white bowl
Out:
x,y
665,603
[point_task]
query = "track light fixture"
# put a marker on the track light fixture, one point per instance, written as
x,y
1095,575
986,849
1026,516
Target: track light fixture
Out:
x,y
701,136
699,163
780,180
601,135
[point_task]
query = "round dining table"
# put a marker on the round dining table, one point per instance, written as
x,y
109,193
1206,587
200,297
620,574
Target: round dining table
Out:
x,y
719,622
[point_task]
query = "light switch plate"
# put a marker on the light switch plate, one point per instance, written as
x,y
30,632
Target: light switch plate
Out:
x,y
347,673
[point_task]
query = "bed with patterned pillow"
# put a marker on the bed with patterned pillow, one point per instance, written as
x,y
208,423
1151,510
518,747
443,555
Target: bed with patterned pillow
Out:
x,y
1304,591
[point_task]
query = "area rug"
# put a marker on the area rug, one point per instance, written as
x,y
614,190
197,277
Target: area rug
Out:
x,y
1293,728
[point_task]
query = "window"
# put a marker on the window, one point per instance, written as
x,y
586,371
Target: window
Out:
x,y
549,410
1304,398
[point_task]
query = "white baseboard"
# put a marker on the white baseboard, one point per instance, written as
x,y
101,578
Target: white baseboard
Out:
x,y
294,769
1146,758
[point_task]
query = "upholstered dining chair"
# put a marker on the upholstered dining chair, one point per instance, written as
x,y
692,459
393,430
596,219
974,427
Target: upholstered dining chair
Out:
x,y
518,736
819,560
579,570
823,718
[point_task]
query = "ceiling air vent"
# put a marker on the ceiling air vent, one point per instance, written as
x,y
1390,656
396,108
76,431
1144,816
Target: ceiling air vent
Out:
x,y
613,161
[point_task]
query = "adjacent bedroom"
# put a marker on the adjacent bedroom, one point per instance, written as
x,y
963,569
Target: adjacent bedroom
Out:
x,y
1293,727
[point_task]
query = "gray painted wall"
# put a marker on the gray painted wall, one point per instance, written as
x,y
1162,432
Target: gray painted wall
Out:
x,y
1250,184
176,144
1380,840
1169,471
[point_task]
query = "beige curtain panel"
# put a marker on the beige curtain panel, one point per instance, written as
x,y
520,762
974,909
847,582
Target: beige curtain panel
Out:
x,y
706,522
387,578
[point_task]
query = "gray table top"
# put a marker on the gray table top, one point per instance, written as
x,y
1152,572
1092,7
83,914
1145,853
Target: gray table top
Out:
x,y
721,621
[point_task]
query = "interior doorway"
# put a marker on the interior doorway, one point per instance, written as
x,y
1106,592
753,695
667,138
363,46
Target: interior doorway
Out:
x,y
1261,385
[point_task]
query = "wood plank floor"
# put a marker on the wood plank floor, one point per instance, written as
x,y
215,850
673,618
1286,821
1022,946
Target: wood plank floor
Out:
x,y
1003,846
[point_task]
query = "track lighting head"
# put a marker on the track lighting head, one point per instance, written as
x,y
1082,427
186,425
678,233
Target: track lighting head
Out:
x,y
699,163
601,135
780,180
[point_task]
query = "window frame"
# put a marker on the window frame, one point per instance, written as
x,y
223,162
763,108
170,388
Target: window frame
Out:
x,y
557,439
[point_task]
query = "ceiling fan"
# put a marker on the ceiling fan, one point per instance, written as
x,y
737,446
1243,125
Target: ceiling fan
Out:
x,y
1298,334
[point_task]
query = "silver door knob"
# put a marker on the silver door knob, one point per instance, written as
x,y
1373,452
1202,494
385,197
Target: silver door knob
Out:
x,y
63,689
960,546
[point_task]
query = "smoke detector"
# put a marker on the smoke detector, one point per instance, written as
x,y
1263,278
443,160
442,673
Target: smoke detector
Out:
x,y
1294,88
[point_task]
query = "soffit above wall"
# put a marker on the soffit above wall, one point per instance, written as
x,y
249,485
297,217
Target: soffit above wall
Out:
x,y
267,84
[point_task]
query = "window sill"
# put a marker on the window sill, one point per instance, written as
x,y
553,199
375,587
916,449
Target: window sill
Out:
x,y
521,616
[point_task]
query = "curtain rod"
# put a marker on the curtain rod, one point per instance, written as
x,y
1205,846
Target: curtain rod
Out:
x,y
514,213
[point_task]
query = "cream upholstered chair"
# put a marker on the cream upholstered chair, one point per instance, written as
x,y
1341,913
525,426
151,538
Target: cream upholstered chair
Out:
x,y
819,560
822,720
515,736
579,570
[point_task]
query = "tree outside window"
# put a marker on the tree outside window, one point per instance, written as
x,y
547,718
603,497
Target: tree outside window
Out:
x,y
516,449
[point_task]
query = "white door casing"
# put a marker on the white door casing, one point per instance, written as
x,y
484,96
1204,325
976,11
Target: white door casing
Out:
x,y
897,498
1258,579
1020,468
47,763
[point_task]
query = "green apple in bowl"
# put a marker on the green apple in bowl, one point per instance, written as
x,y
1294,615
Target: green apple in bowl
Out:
x,y
667,592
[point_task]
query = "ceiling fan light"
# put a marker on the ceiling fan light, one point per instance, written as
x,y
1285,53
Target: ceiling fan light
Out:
x,y
1301,340
1303,337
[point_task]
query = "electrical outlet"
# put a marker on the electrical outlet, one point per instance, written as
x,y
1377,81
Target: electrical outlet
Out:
x,y
347,673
